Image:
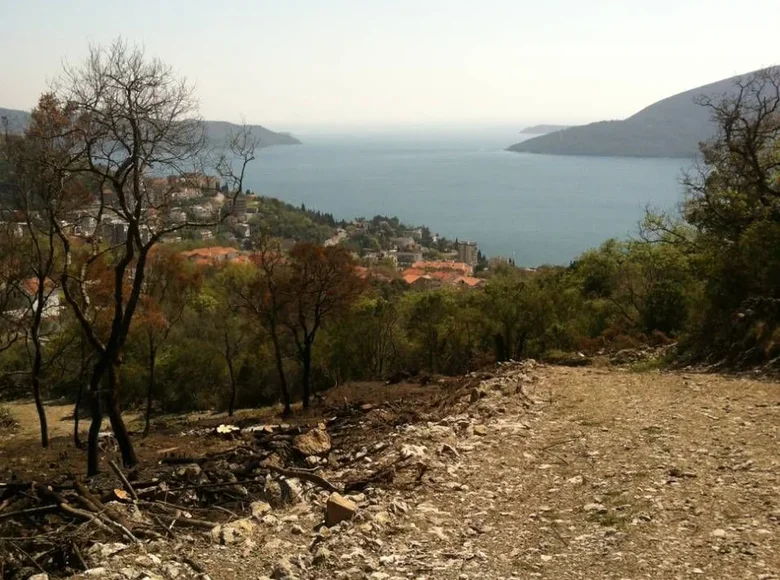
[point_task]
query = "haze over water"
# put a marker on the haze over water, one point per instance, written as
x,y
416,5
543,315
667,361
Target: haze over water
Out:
x,y
536,208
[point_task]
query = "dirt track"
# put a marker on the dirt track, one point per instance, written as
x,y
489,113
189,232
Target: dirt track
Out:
x,y
607,474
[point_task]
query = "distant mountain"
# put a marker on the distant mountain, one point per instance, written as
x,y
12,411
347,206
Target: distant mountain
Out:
x,y
672,127
17,120
217,131
543,129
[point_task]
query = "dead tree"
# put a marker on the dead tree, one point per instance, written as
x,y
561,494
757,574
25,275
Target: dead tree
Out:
x,y
132,119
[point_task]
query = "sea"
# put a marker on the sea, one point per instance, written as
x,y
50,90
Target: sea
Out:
x,y
536,209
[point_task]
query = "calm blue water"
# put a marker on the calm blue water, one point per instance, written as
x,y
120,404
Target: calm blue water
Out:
x,y
537,208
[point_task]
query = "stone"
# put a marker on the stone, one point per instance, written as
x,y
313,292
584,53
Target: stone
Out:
x,y
718,533
409,451
259,509
42,576
189,471
338,509
283,571
273,493
480,430
233,532
172,570
292,491
321,556
315,442
103,551
476,395
595,508
449,449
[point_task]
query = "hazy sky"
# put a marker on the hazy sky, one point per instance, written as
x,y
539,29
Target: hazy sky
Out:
x,y
304,64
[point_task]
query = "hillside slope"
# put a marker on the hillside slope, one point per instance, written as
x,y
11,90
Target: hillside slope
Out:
x,y
672,127
217,131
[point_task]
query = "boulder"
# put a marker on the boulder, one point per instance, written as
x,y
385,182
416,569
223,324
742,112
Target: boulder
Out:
x,y
339,509
315,442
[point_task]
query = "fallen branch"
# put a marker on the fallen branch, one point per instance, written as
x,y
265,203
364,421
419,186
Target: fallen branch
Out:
x,y
125,483
29,511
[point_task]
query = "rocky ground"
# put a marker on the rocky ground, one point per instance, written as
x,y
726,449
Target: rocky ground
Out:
x,y
533,472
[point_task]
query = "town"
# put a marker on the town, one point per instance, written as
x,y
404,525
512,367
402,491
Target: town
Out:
x,y
217,227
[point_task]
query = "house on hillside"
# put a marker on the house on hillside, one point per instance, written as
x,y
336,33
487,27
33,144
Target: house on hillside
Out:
x,y
215,256
406,259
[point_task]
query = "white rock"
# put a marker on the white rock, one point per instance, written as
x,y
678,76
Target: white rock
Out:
x,y
595,507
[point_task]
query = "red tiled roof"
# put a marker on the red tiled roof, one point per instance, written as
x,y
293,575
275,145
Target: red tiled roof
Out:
x,y
469,281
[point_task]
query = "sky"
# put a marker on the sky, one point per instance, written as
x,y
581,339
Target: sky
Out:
x,y
362,64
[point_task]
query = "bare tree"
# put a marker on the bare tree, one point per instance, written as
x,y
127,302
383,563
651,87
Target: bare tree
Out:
x,y
232,163
132,119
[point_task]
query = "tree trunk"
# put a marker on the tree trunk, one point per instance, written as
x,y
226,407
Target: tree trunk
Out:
x,y
76,410
233,386
121,434
306,374
280,370
500,347
36,386
37,364
150,389
97,419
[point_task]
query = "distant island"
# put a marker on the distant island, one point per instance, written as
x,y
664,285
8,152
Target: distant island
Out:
x,y
672,127
543,129
217,131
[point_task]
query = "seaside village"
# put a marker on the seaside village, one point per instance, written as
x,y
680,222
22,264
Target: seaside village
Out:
x,y
223,233
201,198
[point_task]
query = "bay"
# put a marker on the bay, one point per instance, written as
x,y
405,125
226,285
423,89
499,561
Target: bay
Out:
x,y
538,209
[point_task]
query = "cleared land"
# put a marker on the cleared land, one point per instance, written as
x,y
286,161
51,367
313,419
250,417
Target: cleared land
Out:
x,y
583,473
